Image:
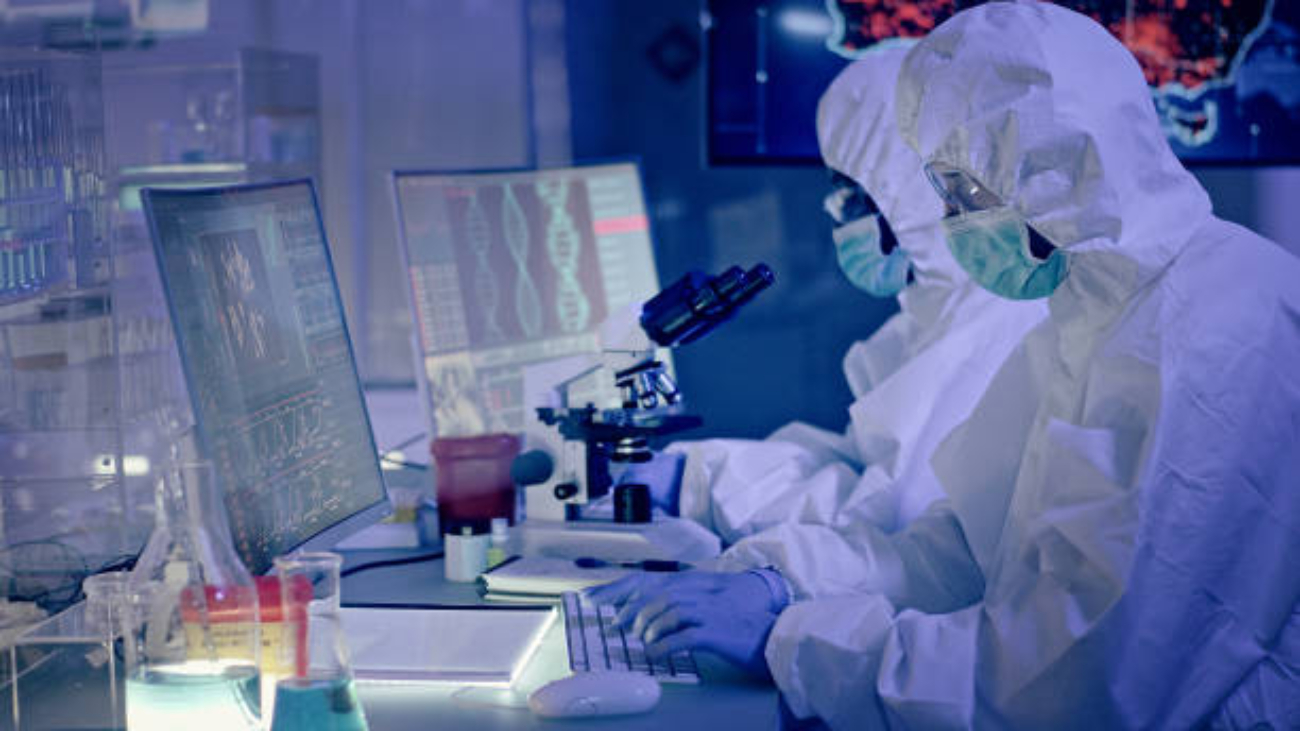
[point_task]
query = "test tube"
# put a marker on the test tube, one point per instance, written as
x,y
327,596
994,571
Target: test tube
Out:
x,y
59,137
20,131
24,159
48,137
7,146
33,137
5,127
38,207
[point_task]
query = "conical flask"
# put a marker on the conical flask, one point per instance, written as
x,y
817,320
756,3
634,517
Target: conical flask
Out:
x,y
192,640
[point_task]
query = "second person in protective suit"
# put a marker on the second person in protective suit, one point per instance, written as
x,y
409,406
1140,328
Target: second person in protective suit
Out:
x,y
912,380
820,514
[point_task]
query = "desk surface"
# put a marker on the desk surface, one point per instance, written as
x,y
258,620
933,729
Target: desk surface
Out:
x,y
726,699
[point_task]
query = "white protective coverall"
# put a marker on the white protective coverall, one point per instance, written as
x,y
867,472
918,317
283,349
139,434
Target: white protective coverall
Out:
x,y
1127,488
913,380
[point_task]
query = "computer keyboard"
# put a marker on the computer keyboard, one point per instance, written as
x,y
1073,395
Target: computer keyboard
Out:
x,y
596,643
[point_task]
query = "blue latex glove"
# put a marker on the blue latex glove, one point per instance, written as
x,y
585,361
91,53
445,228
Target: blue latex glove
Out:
x,y
663,474
724,613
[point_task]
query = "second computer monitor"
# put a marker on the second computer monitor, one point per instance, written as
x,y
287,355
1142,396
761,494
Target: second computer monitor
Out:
x,y
512,268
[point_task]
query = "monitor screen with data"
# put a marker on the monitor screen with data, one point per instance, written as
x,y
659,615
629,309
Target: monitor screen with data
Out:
x,y
514,268
265,349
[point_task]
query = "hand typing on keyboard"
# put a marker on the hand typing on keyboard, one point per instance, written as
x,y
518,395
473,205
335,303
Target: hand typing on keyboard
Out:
x,y
596,645
728,614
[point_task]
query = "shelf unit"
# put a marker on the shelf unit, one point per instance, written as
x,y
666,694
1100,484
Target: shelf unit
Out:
x,y
65,507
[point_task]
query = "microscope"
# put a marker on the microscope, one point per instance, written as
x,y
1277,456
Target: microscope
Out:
x,y
577,469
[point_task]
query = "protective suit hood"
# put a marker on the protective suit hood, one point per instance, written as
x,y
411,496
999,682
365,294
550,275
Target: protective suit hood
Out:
x,y
857,135
1097,178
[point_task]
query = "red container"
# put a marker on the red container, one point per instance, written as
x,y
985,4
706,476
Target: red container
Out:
x,y
227,620
472,480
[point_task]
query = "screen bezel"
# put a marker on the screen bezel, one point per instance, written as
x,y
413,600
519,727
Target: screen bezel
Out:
x,y
373,512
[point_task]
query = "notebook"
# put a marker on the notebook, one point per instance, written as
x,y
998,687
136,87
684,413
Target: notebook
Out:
x,y
541,579
449,644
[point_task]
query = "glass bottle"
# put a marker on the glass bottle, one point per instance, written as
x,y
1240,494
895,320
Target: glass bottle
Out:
x,y
192,640
107,595
319,693
500,537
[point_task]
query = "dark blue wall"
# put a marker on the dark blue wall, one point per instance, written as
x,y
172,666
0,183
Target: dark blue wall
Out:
x,y
780,359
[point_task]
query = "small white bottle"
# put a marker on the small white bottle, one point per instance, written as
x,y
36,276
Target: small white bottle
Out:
x,y
496,552
466,555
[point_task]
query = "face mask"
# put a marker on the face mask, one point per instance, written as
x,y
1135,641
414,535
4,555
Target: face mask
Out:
x,y
993,247
857,247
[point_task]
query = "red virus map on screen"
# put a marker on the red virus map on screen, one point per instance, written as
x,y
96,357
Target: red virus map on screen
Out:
x,y
1185,47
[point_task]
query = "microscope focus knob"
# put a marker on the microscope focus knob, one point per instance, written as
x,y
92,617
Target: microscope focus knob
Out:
x,y
565,490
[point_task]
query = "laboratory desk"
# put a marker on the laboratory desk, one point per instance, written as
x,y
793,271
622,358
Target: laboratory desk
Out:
x,y
726,699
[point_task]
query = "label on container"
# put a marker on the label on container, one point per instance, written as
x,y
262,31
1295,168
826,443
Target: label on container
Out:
x,y
283,640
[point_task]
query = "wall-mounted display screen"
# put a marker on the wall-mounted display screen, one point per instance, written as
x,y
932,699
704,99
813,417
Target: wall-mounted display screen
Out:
x,y
1224,74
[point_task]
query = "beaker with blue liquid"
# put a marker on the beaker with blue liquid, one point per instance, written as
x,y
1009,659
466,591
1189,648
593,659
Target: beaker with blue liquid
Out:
x,y
317,693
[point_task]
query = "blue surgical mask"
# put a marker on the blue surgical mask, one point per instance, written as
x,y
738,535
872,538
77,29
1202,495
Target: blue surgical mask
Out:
x,y
858,249
993,247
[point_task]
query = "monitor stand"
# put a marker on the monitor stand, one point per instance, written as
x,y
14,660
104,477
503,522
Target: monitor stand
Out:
x,y
382,536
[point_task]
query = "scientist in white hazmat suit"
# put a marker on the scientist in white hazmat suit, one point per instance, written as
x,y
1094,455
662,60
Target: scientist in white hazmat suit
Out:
x,y
810,523
912,380
1126,490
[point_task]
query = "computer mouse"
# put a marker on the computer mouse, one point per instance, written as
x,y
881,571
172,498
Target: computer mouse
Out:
x,y
600,693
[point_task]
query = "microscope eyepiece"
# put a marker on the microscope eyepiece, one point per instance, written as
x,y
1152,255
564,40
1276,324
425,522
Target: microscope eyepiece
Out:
x,y
692,306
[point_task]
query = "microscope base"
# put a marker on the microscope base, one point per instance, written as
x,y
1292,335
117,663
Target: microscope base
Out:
x,y
665,538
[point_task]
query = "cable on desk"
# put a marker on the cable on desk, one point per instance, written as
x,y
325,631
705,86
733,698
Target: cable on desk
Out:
x,y
27,585
391,562
386,454
406,442
404,464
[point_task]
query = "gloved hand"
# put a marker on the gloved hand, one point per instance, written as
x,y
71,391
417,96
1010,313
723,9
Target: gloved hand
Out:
x,y
663,474
724,613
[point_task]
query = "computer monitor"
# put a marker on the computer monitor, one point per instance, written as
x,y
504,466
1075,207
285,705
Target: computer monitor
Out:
x,y
510,268
266,354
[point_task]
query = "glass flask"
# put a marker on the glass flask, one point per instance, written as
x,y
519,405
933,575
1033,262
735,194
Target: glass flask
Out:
x,y
191,637
319,693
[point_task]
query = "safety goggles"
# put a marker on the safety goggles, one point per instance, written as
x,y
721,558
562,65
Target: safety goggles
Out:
x,y
847,201
960,191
